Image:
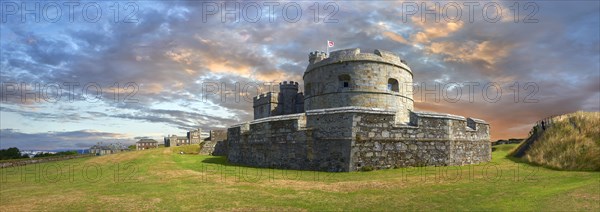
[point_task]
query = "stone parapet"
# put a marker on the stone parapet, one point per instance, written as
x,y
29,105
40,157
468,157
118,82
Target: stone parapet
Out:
x,y
347,55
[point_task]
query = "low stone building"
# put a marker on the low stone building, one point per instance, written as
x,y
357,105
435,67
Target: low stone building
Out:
x,y
174,140
195,136
107,149
358,113
146,143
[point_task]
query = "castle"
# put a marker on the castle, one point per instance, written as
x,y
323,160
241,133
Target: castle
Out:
x,y
195,136
356,112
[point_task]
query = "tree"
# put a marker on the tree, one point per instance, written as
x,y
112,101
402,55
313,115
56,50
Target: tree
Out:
x,y
41,155
10,153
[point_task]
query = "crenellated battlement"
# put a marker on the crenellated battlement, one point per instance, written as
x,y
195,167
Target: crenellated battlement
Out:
x,y
316,56
347,55
286,101
265,98
288,85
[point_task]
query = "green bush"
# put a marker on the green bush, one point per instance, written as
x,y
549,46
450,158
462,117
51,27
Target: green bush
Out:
x,y
366,168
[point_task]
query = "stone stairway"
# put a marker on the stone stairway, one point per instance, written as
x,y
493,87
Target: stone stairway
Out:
x,y
536,132
526,144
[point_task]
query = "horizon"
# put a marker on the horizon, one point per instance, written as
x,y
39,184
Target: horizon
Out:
x,y
71,80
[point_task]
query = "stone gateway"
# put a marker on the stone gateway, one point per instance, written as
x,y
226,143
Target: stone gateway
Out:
x,y
356,112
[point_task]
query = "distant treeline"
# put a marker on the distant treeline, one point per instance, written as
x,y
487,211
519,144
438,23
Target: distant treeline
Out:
x,y
15,153
11,153
41,155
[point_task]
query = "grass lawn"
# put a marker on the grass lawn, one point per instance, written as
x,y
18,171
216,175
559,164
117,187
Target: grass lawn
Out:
x,y
159,179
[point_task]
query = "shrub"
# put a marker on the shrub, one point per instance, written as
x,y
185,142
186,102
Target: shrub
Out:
x,y
366,169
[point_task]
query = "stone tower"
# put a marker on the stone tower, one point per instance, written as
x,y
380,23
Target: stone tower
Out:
x,y
265,105
287,97
195,136
349,78
287,101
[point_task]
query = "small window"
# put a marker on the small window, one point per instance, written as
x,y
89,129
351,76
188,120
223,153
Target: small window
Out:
x,y
344,81
393,85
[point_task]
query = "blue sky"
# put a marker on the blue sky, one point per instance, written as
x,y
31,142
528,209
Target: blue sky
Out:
x,y
173,52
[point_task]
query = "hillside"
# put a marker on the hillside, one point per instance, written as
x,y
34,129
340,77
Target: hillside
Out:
x,y
570,142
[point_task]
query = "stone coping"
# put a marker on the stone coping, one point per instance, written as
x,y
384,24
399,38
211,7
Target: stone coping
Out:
x,y
350,109
277,118
427,114
355,109
479,121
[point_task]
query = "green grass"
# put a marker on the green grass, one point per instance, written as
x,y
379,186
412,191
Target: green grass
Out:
x,y
571,143
159,179
186,149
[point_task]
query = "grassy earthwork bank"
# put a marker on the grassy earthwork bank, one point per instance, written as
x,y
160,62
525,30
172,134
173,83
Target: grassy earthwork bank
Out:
x,y
163,179
572,142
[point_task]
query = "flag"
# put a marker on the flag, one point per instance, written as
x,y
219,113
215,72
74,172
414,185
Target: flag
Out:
x,y
329,43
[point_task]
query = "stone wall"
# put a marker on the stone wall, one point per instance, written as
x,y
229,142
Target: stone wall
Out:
x,y
23,162
215,144
430,139
347,139
285,142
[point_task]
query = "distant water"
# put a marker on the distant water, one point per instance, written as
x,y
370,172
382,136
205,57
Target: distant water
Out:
x,y
34,152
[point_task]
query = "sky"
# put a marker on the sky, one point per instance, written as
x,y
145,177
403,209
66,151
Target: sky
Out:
x,y
77,73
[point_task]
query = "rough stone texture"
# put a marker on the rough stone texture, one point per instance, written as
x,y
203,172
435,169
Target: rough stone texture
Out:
x,y
363,125
431,140
215,143
368,84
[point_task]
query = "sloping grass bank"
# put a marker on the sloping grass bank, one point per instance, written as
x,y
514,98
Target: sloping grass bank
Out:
x,y
571,143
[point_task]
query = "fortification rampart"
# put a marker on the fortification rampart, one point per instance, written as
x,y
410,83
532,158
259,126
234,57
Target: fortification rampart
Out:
x,y
359,113
347,139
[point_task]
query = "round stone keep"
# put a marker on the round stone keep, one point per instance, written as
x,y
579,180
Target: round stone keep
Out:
x,y
351,78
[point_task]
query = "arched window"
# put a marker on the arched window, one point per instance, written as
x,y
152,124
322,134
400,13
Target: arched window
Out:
x,y
344,80
393,85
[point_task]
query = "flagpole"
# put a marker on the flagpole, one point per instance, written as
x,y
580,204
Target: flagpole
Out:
x,y
327,48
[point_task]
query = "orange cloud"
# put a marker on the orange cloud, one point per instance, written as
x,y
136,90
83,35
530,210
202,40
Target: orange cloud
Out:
x,y
485,51
184,56
192,60
431,29
395,37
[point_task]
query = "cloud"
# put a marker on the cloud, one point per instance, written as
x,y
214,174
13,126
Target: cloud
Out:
x,y
486,53
81,139
171,54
